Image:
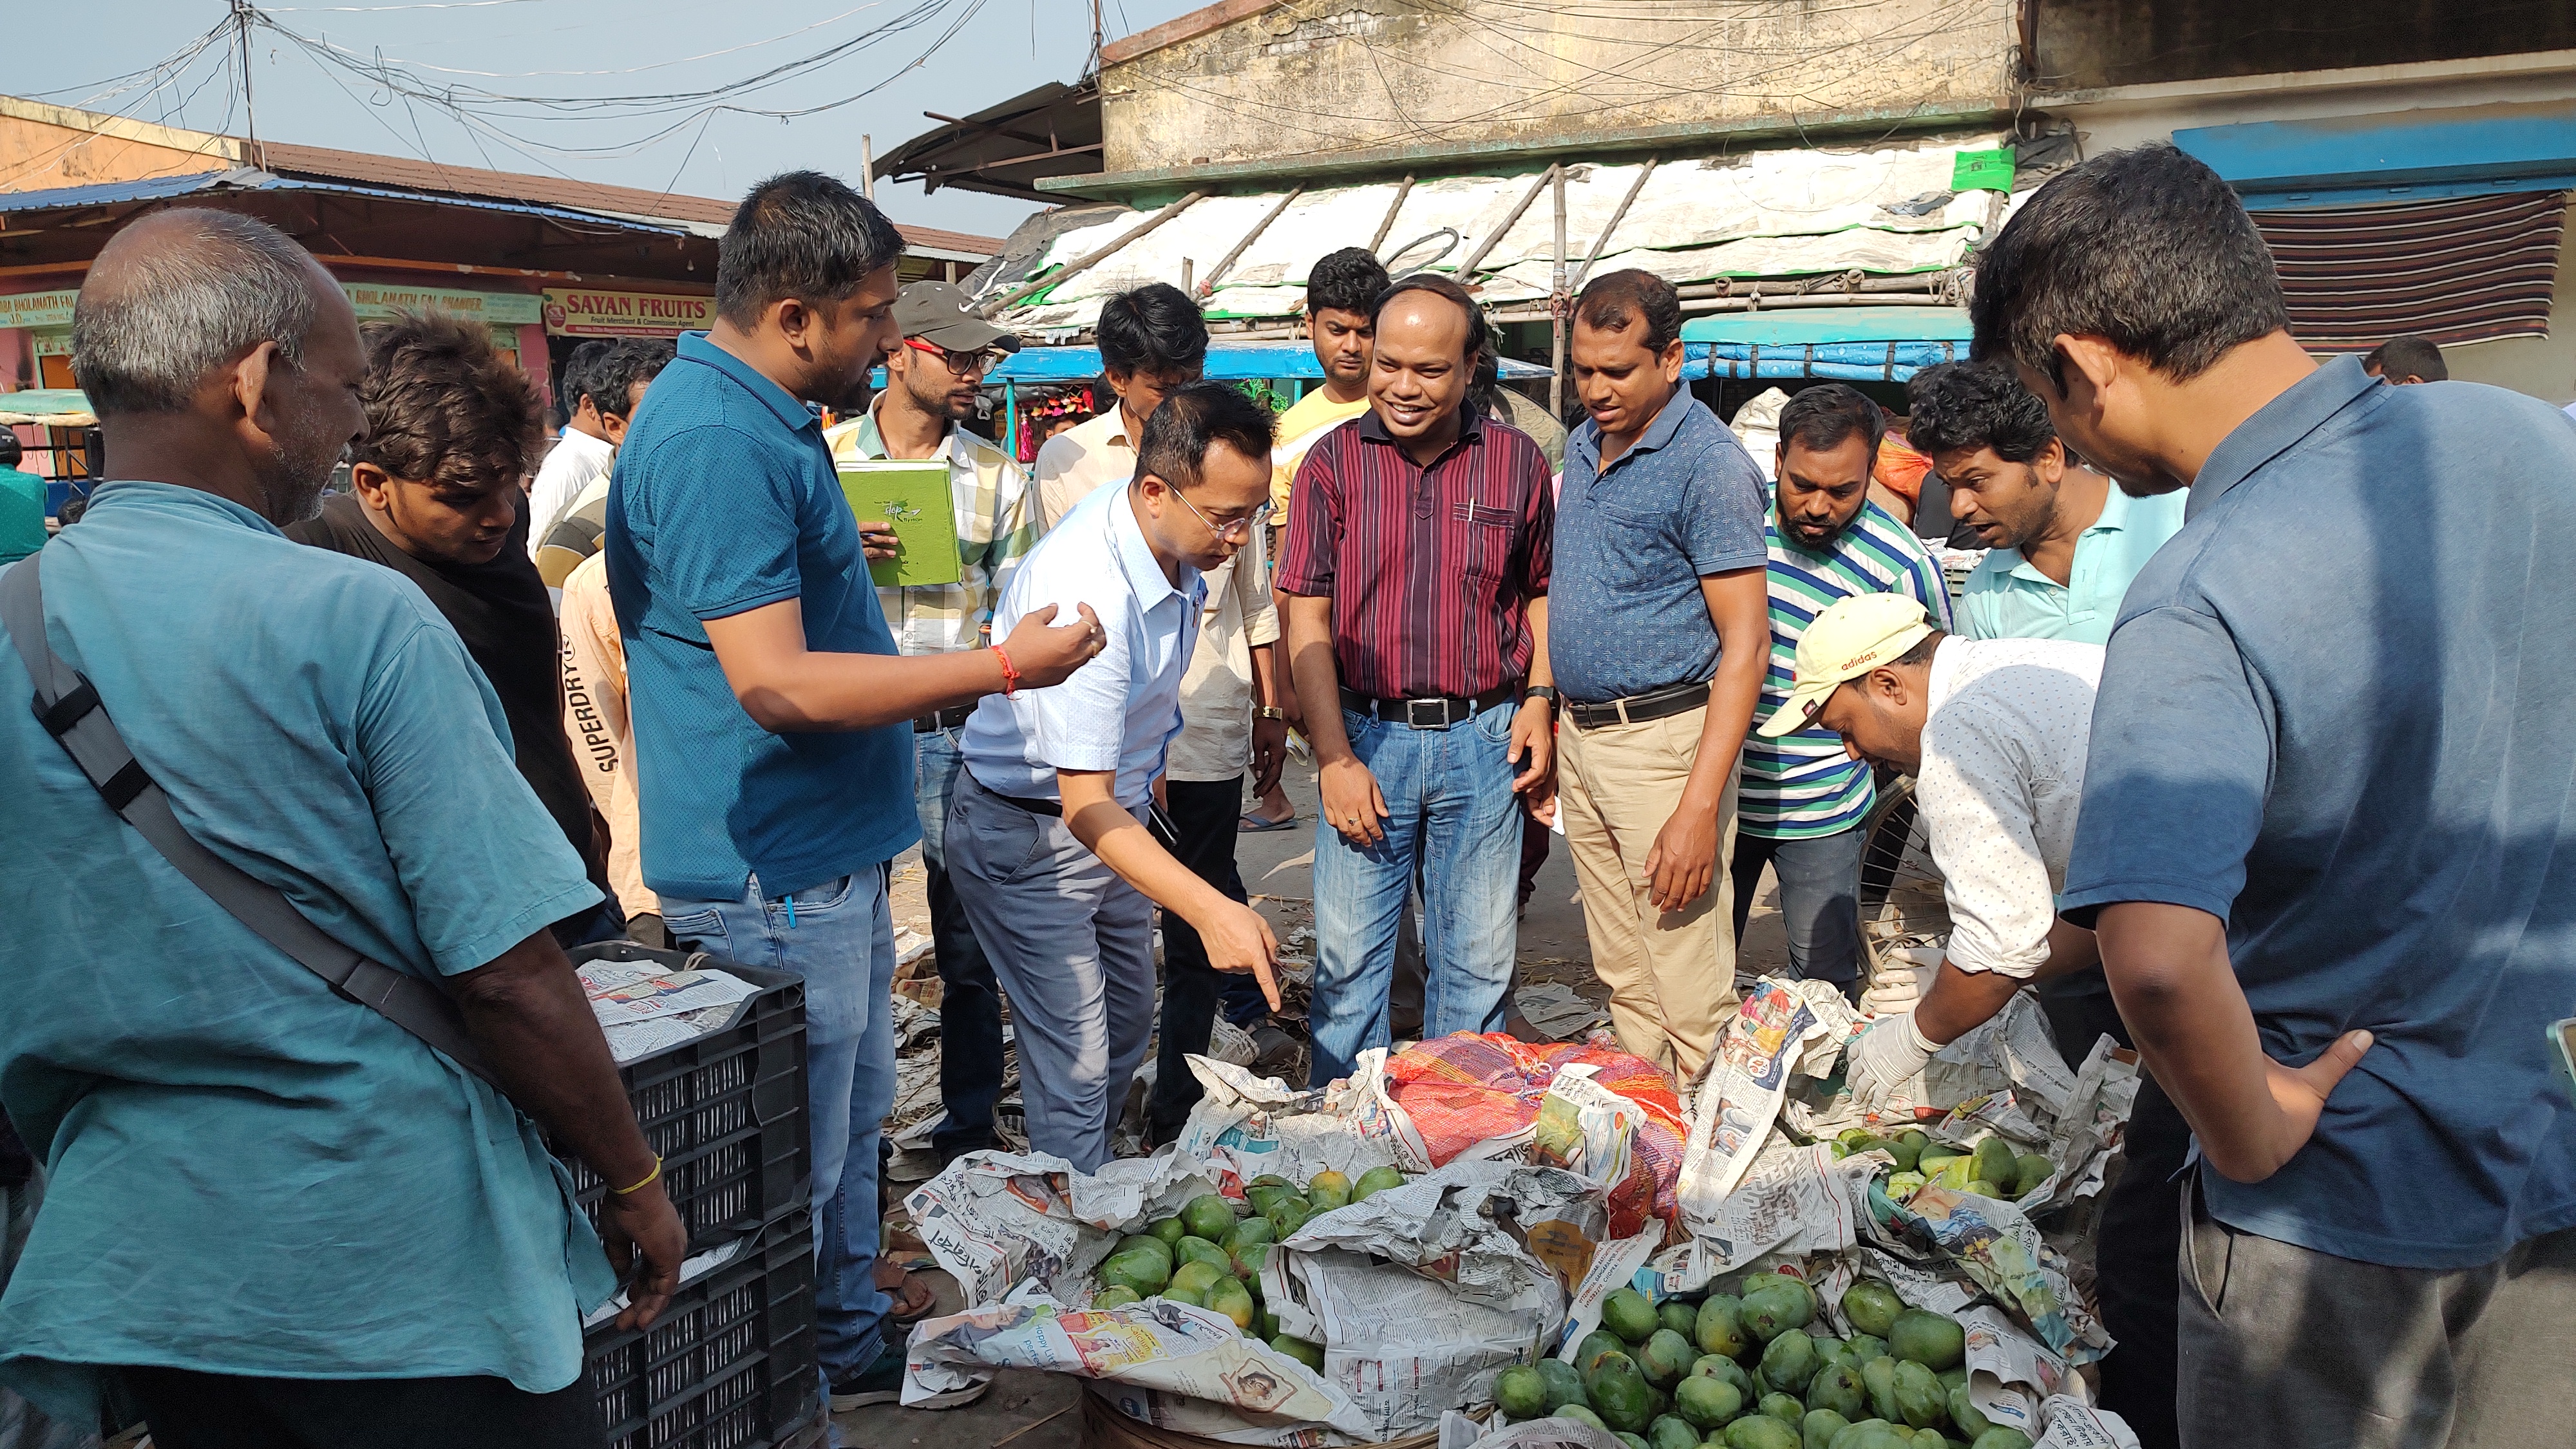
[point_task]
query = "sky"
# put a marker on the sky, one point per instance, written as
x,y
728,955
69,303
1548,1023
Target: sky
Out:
x,y
950,56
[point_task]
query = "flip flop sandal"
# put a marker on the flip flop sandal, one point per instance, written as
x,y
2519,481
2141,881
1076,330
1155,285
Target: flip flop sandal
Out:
x,y
1252,824
899,1291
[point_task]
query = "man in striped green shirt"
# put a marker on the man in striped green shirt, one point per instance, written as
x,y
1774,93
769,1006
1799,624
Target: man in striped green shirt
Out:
x,y
1802,799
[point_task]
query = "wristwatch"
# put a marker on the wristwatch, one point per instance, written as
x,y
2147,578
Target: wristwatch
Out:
x,y
1541,691
1272,711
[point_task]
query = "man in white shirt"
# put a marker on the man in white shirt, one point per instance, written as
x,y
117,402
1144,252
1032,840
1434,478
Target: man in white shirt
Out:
x,y
1152,340
1047,838
933,378
603,384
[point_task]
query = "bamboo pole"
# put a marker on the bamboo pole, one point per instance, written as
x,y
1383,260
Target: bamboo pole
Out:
x,y
1467,269
1387,223
1602,242
1217,273
1086,263
1556,303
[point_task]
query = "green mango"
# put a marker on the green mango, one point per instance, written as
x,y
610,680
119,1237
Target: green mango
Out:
x,y
1666,1358
1144,1273
1818,1429
1856,1433
1267,1325
1979,1187
1249,1260
1719,1328
1789,1362
1581,1415
2000,1437
1872,1306
1719,1366
1878,1375
1629,1314
1838,1152
1860,1348
1952,1378
2029,1172
1374,1181
1328,1190
1680,1317
1707,1401
1671,1432
1933,1161
1629,1441
1903,1185
1927,1439
1955,1174
1963,1413
1289,1214
1994,1161
1775,1305
1934,1340
1208,1216
1195,1297
1761,1431
1520,1393
1264,1198
1851,1135
1229,1297
1564,1385
1268,1179
1831,1351
1840,1389
1108,1298
1919,1396
1201,1250
1144,1242
1309,1354
1249,1231
1596,1343
1197,1276
1783,1407
1619,1394
1170,1230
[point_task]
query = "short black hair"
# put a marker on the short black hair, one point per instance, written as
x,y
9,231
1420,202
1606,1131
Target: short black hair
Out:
x,y
800,235
1924,648
1611,301
2146,248
1348,280
1155,328
1480,335
618,371
1820,418
1972,405
1192,418
577,370
2409,356
443,405
11,450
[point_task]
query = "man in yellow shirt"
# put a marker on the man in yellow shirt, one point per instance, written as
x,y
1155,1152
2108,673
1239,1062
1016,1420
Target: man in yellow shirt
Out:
x,y
1341,306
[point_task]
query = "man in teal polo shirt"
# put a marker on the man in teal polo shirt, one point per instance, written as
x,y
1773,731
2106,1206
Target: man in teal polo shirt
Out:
x,y
2064,543
22,502
773,717
273,1216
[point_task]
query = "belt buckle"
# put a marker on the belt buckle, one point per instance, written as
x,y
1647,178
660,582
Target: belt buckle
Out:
x,y
1439,719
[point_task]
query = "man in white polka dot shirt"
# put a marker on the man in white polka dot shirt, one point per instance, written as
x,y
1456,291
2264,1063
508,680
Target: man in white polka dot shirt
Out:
x,y
1994,732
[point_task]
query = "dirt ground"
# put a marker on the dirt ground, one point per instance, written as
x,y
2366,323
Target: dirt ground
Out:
x,y
1027,1410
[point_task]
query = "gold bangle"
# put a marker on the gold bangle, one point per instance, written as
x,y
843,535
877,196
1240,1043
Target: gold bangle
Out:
x,y
649,1179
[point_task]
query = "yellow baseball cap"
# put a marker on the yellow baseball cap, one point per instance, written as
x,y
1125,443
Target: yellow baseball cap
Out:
x,y
1843,643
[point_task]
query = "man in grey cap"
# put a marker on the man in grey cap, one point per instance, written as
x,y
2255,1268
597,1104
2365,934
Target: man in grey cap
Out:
x,y
933,381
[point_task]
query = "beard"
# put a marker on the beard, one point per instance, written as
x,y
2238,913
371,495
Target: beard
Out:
x,y
296,472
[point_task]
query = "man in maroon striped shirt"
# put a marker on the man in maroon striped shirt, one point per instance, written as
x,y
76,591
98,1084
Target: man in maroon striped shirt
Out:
x,y
1417,566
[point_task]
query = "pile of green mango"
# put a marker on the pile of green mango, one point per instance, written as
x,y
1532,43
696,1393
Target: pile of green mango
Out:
x,y
1744,1373
1990,1170
1211,1254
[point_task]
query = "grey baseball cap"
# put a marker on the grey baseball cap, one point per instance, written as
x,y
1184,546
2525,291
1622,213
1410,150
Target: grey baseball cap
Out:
x,y
941,314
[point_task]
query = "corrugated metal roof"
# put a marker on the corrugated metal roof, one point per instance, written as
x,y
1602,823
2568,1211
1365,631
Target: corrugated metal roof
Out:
x,y
2468,269
164,188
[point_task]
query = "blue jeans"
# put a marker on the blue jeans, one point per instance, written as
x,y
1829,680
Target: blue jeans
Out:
x,y
840,937
1819,899
1450,809
970,1001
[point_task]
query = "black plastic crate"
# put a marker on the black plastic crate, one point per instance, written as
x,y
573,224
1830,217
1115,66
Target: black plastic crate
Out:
x,y
729,1365
726,1111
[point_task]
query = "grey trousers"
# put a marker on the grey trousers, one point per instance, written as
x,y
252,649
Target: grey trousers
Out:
x,y
1073,946
2290,1348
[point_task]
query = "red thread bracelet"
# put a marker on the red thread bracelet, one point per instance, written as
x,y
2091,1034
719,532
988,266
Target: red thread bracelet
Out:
x,y
1010,676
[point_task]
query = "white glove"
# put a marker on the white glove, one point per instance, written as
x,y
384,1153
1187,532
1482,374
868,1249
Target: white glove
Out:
x,y
1885,1058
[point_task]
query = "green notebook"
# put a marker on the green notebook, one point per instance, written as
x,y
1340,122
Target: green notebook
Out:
x,y
913,496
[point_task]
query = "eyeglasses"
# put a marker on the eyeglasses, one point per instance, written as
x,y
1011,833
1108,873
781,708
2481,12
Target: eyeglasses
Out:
x,y
962,364
1239,529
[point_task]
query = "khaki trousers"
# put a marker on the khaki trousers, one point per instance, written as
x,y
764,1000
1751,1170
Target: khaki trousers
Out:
x,y
1671,974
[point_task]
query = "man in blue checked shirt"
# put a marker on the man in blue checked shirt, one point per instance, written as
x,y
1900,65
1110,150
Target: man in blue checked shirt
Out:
x,y
1803,799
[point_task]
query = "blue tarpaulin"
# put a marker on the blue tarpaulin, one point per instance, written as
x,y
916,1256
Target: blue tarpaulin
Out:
x,y
1852,344
1226,362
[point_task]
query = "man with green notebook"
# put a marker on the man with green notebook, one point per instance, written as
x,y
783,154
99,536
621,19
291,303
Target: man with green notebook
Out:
x,y
933,378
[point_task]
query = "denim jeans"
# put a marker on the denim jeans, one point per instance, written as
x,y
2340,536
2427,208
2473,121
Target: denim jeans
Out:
x,y
1451,810
1204,817
970,1002
840,937
1819,899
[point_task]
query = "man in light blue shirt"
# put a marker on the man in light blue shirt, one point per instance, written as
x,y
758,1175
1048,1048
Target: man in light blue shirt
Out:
x,y
1047,836
272,1215
2063,543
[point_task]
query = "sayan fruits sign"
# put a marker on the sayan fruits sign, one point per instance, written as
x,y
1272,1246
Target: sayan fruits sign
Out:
x,y
574,312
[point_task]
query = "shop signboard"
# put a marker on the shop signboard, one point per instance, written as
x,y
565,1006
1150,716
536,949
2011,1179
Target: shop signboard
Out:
x,y
39,309
587,312
378,300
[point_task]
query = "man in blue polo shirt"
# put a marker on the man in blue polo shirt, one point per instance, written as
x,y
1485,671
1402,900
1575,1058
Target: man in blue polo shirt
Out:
x,y
2325,843
773,734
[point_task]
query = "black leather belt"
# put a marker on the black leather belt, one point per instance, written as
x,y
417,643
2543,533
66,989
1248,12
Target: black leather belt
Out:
x,y
1639,708
1031,804
1427,714
946,719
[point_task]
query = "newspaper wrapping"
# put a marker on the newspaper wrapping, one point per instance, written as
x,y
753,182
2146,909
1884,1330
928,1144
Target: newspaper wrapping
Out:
x,y
1780,1030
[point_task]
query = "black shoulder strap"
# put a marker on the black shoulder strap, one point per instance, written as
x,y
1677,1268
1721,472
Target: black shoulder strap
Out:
x,y
70,711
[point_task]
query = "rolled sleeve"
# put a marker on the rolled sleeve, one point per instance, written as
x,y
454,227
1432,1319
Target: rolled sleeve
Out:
x,y
1306,560
483,863
1081,723
1983,828
2176,775
721,551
